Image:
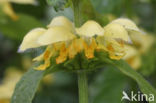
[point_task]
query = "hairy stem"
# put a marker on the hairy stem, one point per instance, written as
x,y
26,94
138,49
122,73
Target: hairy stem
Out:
x,y
83,87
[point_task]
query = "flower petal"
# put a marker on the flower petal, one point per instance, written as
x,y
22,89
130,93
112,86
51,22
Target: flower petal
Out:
x,y
43,66
89,49
63,54
55,34
62,21
8,83
39,58
135,62
75,47
144,42
130,52
2,1
46,57
116,31
132,57
90,28
30,40
127,24
7,8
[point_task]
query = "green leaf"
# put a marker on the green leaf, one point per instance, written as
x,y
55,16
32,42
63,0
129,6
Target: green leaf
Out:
x,y
108,84
17,29
25,89
27,86
124,67
145,87
148,61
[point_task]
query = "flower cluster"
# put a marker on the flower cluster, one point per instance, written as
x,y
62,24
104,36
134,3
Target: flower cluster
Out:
x,y
63,39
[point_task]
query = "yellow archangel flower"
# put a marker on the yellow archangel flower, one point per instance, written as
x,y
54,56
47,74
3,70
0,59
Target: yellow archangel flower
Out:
x,y
7,8
142,42
7,86
133,57
141,45
116,35
66,41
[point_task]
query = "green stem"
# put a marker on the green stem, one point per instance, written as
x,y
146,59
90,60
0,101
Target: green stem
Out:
x,y
83,87
76,9
82,76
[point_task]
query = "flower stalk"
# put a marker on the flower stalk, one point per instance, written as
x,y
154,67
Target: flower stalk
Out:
x,y
82,75
76,9
83,87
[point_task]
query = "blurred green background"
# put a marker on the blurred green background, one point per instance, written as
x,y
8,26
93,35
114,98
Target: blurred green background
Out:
x,y
105,85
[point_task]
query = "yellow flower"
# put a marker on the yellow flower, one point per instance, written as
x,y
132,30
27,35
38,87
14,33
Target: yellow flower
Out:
x,y
8,10
132,57
142,42
141,45
127,24
11,76
117,33
64,41
89,29
8,84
